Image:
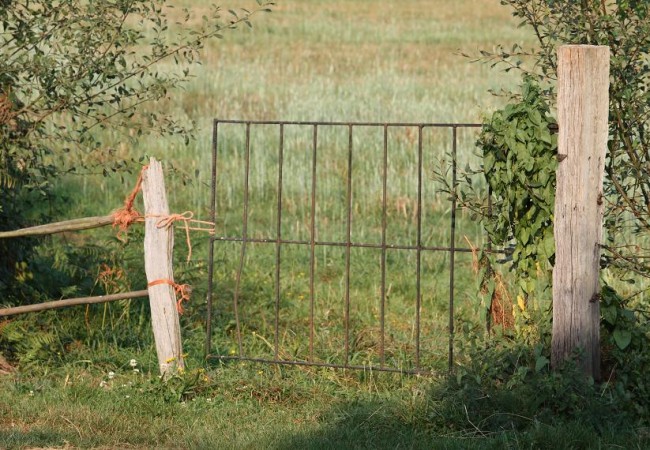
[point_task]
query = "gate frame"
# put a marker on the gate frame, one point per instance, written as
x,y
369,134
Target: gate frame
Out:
x,y
244,239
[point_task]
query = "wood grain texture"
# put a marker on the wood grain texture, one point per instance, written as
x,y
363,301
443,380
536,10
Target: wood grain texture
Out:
x,y
583,104
158,246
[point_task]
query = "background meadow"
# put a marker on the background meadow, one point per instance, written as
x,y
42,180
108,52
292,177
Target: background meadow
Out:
x,y
336,61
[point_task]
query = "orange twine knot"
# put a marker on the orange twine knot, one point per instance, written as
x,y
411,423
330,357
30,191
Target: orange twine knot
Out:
x,y
184,290
187,217
168,221
124,217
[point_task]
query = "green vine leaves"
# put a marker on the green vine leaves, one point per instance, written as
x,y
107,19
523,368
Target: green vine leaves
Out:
x,y
519,153
519,163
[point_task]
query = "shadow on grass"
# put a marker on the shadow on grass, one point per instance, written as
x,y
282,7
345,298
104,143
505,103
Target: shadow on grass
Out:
x,y
371,424
34,438
485,409
379,425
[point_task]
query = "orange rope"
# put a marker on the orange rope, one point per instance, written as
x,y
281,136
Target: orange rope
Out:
x,y
186,218
124,217
184,290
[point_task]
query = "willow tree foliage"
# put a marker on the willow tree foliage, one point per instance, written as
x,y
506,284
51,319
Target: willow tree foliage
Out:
x,y
71,67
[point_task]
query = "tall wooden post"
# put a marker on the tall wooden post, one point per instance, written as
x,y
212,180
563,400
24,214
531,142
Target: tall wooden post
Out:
x,y
158,246
583,104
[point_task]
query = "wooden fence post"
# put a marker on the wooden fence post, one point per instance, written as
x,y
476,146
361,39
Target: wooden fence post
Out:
x,y
158,246
583,105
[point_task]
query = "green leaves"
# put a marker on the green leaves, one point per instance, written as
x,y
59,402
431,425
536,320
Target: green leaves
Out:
x,y
622,338
541,362
624,27
618,320
519,163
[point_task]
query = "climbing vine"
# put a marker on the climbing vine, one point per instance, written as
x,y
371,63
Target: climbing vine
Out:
x,y
519,161
518,146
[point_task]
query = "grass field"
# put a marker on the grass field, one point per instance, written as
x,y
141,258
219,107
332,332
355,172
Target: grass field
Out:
x,y
251,407
340,60
345,61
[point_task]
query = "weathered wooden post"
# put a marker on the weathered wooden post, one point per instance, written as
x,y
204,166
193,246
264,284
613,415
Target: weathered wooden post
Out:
x,y
583,104
158,246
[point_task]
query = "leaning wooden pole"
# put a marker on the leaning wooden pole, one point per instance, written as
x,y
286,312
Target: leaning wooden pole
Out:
x,y
158,246
583,103
54,304
85,223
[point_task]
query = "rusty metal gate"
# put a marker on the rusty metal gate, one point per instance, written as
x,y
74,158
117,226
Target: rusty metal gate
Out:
x,y
279,188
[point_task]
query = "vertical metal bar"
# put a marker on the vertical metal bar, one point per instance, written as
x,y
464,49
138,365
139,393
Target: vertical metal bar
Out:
x,y
348,240
312,242
489,213
488,315
213,216
418,284
277,244
244,239
382,307
452,247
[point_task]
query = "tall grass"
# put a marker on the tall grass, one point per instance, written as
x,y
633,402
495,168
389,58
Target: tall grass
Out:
x,y
341,60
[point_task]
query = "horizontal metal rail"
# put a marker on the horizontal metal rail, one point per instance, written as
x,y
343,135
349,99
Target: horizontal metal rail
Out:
x,y
354,124
342,244
369,367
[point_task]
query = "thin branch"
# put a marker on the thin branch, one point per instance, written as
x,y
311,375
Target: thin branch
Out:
x,y
72,302
85,223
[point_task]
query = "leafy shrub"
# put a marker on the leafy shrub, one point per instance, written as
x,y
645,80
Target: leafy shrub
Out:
x,y
503,386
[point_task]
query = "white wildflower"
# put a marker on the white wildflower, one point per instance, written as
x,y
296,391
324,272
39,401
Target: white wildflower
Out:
x,y
111,375
133,363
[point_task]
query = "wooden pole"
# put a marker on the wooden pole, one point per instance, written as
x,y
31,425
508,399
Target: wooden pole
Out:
x,y
583,104
71,302
158,246
59,227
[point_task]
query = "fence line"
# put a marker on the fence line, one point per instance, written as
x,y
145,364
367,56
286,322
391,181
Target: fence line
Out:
x,y
158,246
347,244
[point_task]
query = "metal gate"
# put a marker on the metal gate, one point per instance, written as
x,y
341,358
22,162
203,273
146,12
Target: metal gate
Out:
x,y
333,246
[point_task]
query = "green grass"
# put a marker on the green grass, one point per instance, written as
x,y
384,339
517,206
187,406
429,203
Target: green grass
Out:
x,y
342,60
82,404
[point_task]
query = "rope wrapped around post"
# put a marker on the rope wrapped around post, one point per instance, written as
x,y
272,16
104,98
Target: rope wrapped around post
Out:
x,y
184,290
124,217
